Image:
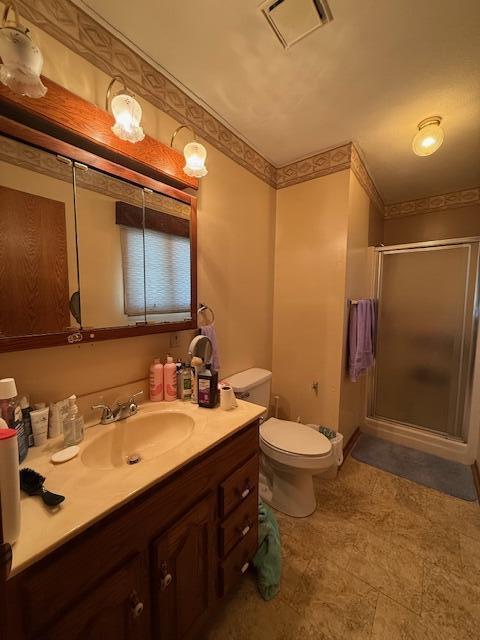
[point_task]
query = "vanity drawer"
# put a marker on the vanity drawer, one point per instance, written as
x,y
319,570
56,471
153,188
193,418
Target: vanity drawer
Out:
x,y
238,486
238,524
238,562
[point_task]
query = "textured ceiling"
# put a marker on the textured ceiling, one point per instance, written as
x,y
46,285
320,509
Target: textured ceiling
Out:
x,y
368,76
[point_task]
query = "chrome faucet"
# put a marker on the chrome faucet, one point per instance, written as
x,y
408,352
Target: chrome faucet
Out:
x,y
120,412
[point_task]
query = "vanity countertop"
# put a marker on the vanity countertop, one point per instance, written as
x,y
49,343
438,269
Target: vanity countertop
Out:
x,y
92,493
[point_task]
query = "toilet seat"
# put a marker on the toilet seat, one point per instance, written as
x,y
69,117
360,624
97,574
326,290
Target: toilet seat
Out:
x,y
295,439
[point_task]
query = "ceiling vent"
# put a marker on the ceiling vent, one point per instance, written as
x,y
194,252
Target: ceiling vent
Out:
x,y
292,20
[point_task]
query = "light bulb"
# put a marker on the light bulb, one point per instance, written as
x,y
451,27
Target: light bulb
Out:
x,y
429,137
195,156
127,113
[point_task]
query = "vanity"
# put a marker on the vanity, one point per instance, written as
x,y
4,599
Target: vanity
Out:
x,y
145,550
98,240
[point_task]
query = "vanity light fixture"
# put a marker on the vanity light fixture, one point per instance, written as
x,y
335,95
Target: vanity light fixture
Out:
x,y
429,137
126,111
22,60
195,155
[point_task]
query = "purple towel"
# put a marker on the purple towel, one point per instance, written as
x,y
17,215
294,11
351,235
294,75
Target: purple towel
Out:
x,y
361,338
209,331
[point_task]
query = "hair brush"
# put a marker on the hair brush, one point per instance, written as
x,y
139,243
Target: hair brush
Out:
x,y
32,483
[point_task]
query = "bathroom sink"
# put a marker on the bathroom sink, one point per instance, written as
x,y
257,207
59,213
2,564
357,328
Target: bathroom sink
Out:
x,y
142,437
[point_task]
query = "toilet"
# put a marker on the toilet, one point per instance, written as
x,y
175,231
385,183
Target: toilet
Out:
x,y
292,452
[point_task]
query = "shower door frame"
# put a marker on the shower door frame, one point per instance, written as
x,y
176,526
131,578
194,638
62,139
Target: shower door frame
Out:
x,y
470,369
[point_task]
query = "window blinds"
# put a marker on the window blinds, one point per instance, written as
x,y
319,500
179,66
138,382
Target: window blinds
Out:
x,y
166,287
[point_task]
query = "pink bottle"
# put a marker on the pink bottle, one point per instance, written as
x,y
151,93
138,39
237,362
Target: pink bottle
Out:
x,y
170,379
156,381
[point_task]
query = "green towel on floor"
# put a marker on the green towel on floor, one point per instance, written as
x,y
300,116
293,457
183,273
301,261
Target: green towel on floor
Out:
x,y
267,560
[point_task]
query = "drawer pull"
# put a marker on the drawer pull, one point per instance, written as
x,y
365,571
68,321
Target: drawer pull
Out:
x,y
166,582
166,577
244,567
136,605
245,530
245,493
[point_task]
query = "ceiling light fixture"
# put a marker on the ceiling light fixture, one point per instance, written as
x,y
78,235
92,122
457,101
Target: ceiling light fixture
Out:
x,y
195,155
22,60
126,111
429,137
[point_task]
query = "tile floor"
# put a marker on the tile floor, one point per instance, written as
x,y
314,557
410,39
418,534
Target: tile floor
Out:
x,y
381,558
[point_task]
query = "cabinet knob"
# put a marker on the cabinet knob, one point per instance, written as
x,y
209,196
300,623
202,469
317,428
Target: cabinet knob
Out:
x,y
166,582
244,567
166,577
245,492
136,606
245,529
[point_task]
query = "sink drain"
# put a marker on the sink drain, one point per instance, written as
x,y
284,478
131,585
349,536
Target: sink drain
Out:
x,y
134,458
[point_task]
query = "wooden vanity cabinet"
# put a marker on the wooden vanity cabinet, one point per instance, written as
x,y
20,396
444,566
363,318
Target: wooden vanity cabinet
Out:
x,y
154,569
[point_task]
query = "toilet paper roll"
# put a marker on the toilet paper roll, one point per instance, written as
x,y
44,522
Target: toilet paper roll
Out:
x,y
227,398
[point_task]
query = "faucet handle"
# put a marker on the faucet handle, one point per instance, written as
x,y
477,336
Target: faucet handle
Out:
x,y
107,413
135,395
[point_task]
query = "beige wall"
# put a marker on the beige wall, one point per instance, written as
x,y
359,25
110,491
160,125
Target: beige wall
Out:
x,y
357,281
310,267
321,261
236,227
376,225
459,222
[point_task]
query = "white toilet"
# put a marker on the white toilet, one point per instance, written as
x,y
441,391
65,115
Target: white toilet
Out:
x,y
292,453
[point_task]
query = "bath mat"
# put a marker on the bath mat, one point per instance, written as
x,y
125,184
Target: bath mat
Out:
x,y
449,477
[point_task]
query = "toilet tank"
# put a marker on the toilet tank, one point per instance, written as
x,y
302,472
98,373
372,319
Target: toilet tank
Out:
x,y
252,385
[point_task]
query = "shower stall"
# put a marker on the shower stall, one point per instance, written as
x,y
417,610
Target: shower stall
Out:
x,y
420,390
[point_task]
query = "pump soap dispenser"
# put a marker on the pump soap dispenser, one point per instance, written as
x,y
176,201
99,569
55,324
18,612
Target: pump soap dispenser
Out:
x,y
73,426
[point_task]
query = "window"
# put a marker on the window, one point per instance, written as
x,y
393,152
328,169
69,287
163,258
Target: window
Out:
x,y
165,289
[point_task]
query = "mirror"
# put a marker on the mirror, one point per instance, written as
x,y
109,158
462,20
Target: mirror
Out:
x,y
38,262
87,254
168,264
201,347
104,271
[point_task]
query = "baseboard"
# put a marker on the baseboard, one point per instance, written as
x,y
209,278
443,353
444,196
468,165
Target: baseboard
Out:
x,y
476,477
350,444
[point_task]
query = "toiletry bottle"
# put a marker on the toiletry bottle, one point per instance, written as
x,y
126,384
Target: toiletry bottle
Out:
x,y
207,389
12,414
9,485
58,413
170,379
184,383
156,381
73,427
196,368
39,420
27,423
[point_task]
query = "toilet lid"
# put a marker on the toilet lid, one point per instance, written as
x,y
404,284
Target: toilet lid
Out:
x,y
293,437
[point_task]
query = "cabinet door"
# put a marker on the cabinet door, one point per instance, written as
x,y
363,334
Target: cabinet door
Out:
x,y
185,573
115,608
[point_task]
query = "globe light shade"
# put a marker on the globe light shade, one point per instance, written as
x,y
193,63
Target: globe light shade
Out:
x,y
195,156
22,62
429,137
128,114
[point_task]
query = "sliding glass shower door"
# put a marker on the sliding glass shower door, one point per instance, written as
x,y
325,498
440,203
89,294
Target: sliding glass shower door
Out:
x,y
426,325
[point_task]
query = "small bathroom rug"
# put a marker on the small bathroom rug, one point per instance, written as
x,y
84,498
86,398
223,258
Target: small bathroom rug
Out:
x,y
449,477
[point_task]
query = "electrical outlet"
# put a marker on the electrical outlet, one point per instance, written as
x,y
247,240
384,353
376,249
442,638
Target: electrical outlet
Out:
x,y
174,340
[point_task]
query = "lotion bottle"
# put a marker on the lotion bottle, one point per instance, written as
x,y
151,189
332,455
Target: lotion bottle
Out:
x,y
156,381
170,379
